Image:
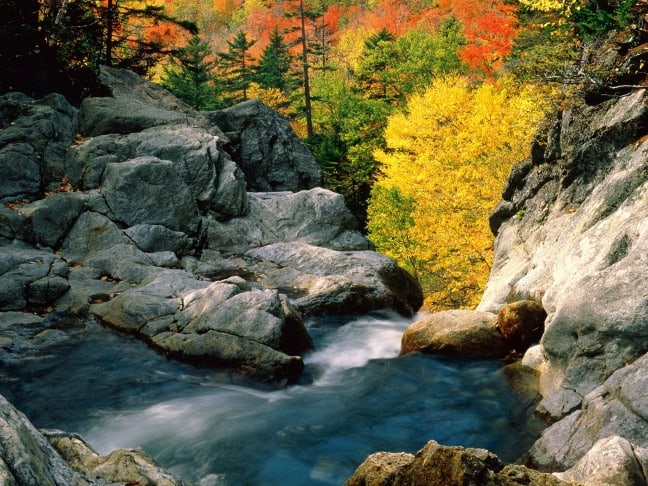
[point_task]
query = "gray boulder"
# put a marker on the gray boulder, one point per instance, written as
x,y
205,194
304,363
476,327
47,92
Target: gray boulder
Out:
x,y
458,333
134,104
213,179
266,148
323,281
616,408
30,279
226,324
147,190
316,217
34,136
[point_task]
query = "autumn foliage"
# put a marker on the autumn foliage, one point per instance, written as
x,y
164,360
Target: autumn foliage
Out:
x,y
443,170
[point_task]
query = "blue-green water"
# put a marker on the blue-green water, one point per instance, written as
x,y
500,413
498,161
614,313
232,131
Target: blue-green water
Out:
x,y
356,397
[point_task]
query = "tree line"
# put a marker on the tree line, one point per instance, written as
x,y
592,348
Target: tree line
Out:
x,y
416,110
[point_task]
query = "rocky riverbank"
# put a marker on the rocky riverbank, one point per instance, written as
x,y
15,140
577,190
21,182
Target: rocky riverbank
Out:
x,y
572,237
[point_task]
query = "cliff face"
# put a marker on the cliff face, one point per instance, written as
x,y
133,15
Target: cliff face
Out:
x,y
572,232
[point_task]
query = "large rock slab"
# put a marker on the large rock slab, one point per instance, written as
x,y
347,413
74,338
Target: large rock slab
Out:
x,y
316,217
323,281
214,180
30,279
457,333
266,148
225,324
572,232
134,104
134,191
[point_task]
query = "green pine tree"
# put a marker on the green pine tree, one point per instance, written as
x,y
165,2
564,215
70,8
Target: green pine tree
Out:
x,y
274,66
189,75
237,67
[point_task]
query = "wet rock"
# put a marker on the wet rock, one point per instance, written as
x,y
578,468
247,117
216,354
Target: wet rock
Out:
x,y
521,323
447,466
456,332
123,466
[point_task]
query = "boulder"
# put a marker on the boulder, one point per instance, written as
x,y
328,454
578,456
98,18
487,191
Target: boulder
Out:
x,y
323,281
612,461
225,324
34,135
134,104
48,220
456,332
123,466
447,466
266,148
213,179
316,217
521,323
616,408
134,191
30,279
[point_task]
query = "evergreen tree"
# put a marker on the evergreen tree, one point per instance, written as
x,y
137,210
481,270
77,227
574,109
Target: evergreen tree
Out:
x,y
189,75
375,78
273,70
237,67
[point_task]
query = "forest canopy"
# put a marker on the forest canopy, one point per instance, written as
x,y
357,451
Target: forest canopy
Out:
x,y
416,110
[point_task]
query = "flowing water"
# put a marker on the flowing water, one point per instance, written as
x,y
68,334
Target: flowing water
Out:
x,y
356,397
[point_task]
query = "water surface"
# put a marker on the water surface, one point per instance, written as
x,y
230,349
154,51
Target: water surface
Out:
x,y
356,397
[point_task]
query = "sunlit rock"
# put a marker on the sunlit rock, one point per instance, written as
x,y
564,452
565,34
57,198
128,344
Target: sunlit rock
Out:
x,y
435,464
456,332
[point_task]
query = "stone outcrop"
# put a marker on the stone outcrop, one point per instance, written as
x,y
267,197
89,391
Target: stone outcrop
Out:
x,y
572,233
447,466
131,209
29,457
267,150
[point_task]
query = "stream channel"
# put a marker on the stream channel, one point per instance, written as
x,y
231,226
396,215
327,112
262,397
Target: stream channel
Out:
x,y
356,397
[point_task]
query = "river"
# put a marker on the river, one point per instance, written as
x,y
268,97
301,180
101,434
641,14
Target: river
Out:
x,y
356,397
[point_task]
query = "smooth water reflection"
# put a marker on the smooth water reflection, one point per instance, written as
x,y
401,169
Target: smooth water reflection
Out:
x,y
356,397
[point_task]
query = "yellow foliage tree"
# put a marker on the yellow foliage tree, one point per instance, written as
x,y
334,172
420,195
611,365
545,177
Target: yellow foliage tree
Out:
x,y
448,157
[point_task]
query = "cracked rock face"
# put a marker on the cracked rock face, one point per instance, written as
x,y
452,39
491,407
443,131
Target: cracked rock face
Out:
x,y
572,232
